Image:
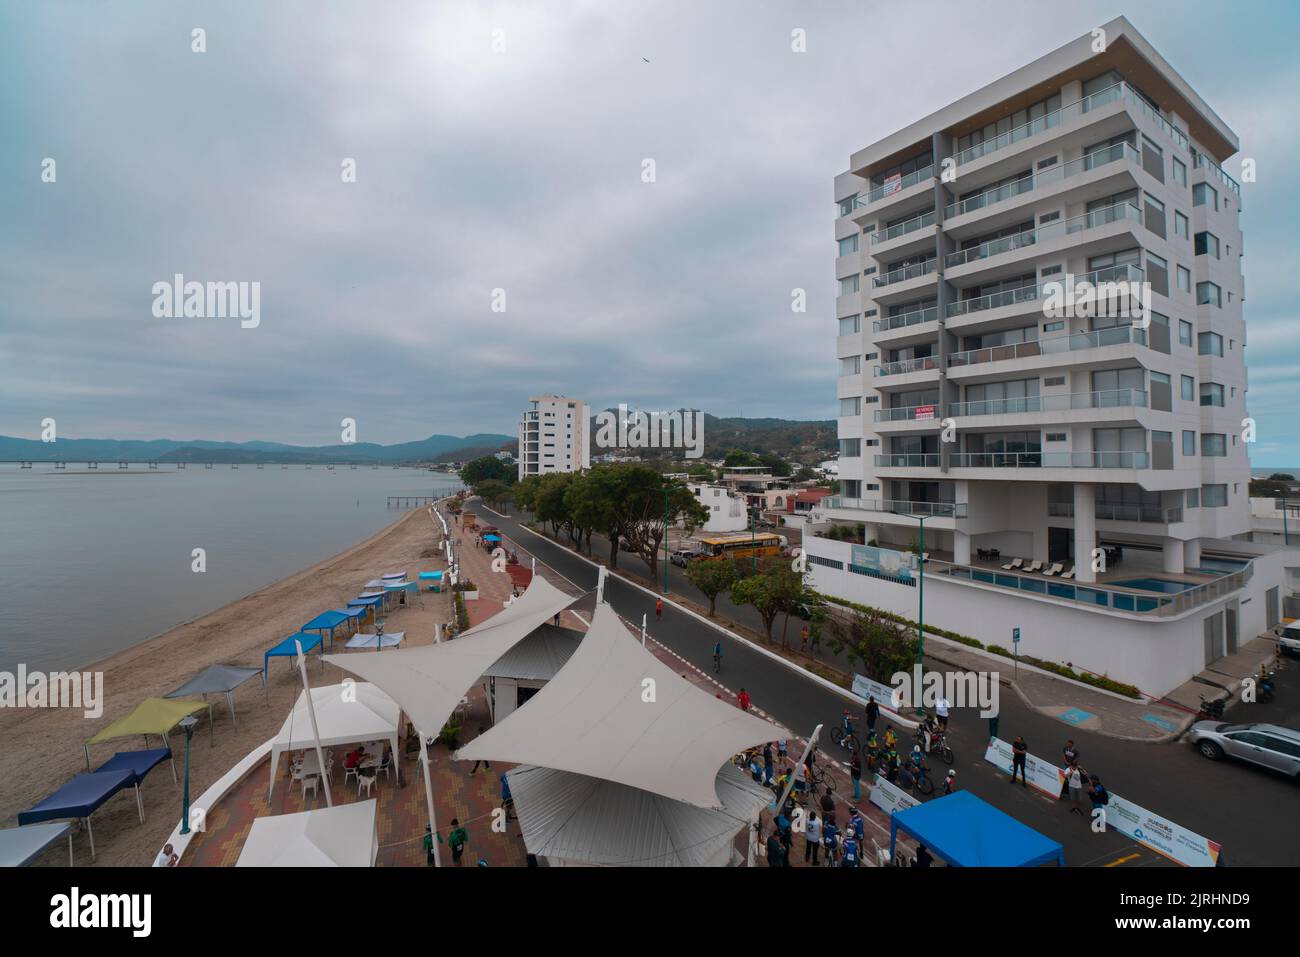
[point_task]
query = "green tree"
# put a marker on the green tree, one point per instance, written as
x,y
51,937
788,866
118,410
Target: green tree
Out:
x,y
805,474
740,458
776,588
488,467
496,493
776,464
712,578
881,646
651,507
549,503
525,492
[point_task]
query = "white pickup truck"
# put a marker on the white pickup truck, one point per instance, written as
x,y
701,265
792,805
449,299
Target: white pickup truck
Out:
x,y
1289,641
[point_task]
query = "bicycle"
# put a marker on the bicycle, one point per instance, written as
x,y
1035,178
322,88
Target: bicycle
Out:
x,y
820,778
941,748
717,662
921,779
846,739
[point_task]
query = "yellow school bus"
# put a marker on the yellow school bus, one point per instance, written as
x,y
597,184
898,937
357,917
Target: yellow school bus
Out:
x,y
740,546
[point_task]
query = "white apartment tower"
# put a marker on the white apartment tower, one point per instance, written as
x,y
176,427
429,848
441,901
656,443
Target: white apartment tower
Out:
x,y
553,436
1020,429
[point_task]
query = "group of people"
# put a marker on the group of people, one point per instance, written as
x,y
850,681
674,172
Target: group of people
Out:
x,y
1077,785
824,844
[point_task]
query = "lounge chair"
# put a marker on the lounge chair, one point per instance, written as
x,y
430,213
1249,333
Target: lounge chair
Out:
x,y
1037,566
1069,574
1013,564
1055,569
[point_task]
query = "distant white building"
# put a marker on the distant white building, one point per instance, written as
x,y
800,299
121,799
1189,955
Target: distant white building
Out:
x,y
553,436
726,507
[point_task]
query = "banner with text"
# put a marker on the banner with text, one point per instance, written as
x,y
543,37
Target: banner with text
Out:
x,y
1039,774
890,798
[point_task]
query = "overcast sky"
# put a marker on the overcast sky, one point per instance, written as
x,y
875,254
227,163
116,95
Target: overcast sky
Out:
x,y
520,170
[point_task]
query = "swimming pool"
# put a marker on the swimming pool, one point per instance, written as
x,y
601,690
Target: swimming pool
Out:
x,y
1163,585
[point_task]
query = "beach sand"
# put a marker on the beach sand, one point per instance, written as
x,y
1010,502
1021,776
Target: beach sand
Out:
x,y
43,748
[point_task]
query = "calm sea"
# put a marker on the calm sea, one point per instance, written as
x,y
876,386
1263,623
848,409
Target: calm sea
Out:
x,y
93,562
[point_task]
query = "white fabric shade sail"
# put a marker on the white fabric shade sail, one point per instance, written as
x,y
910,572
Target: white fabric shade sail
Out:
x,y
429,682
574,818
600,716
345,714
343,836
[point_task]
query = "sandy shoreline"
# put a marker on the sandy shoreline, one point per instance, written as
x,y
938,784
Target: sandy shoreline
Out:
x,y
43,748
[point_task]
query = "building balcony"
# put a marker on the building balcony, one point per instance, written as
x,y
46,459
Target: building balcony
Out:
x,y
1015,460
1053,346
905,319
903,366
915,190
904,273
1109,512
897,506
1106,399
911,236
911,413
1117,158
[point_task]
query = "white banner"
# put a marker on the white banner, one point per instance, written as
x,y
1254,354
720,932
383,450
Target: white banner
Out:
x,y
1162,836
1039,774
885,695
890,798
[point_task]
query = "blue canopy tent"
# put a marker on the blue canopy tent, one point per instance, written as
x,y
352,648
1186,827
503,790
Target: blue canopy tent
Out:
x,y
288,649
965,831
433,578
491,538
326,621
19,846
374,602
355,614
139,763
80,798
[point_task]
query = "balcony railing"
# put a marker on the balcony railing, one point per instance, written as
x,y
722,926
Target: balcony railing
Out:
x,y
915,317
1049,460
1097,596
902,229
1029,237
906,413
1201,161
1106,399
1119,512
1116,335
910,460
888,189
913,271
1079,107
907,365
1047,177
899,506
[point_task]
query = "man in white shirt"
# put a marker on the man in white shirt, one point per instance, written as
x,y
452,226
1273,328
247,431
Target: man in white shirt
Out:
x,y
941,711
167,858
813,839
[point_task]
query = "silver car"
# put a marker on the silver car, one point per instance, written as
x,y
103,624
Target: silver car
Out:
x,y
1266,744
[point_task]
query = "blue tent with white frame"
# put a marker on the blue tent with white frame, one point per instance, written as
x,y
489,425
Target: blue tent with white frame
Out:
x,y
964,831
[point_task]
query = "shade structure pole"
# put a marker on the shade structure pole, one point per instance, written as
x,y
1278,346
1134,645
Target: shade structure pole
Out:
x,y
812,741
428,797
643,624
315,730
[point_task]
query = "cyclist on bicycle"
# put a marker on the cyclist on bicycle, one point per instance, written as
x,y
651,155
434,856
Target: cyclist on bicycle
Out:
x,y
891,739
717,657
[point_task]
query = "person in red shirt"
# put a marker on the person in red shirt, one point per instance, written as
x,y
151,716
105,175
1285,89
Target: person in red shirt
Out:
x,y
659,608
354,757
742,699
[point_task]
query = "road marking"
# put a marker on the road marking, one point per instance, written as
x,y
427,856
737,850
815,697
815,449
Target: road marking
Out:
x,y
1122,860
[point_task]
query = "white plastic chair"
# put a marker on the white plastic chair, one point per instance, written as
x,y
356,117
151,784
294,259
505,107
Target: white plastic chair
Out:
x,y
365,782
1013,564
309,780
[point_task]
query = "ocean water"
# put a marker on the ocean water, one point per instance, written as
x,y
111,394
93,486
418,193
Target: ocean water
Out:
x,y
94,562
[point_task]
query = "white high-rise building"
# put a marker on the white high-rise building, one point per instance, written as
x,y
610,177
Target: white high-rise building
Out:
x,y
1027,431
553,436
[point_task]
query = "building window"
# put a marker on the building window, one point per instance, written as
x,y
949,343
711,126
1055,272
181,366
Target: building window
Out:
x,y
1189,389
851,365
1203,194
1211,394
1208,294
1051,270
850,448
1180,172
1193,498
1184,332
1189,443
850,324
1214,444
1214,496
1207,244
1182,225
1209,344
849,285
849,244
1055,436
1184,279
851,406
846,205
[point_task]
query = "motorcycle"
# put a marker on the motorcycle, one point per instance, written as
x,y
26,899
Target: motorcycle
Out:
x,y
1211,710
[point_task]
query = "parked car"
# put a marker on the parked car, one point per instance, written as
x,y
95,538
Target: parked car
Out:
x,y
1269,745
1289,642
683,556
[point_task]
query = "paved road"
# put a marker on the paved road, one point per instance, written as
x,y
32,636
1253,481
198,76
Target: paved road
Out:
x,y
1247,810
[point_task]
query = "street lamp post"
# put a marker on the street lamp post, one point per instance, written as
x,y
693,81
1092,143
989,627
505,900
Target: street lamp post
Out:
x,y
664,490
920,609
187,724
1286,535
753,541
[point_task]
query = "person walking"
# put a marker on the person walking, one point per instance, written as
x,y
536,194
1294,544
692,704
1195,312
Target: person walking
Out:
x,y
428,845
781,749
774,849
800,779
812,844
873,712
507,802
941,711
855,774
1019,753
742,699
803,639
1098,796
717,657
769,765
659,608
1074,780
850,851
950,783
457,840
830,840
486,766
787,842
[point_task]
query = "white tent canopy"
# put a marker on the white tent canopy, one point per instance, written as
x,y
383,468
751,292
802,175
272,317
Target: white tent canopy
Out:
x,y
593,718
574,818
345,714
428,682
343,836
